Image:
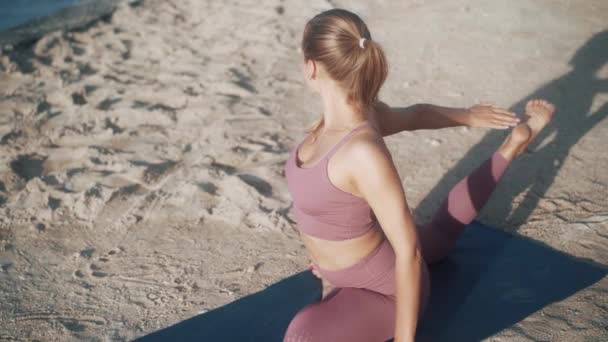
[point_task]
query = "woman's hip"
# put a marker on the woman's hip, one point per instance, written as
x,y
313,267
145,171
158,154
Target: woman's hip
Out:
x,y
375,271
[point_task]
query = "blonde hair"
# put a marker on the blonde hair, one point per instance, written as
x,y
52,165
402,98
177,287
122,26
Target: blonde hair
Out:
x,y
341,42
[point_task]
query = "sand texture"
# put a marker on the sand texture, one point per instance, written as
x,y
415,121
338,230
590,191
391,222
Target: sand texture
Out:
x,y
141,157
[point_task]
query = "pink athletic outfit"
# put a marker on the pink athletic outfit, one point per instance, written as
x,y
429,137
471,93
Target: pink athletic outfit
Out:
x,y
362,306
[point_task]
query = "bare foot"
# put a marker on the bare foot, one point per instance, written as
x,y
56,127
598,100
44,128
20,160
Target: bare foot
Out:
x,y
538,114
327,286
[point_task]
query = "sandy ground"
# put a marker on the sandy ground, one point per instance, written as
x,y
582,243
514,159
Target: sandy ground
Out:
x,y
141,157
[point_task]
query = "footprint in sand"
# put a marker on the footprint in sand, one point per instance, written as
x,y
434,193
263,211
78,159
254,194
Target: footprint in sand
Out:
x,y
95,269
78,99
41,227
108,102
28,166
260,185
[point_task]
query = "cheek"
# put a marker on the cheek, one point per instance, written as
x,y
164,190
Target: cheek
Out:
x,y
308,81
312,85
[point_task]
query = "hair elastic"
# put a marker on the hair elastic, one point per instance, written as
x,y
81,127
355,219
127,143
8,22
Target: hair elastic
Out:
x,y
361,41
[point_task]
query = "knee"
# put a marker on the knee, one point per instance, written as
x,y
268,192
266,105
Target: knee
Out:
x,y
304,327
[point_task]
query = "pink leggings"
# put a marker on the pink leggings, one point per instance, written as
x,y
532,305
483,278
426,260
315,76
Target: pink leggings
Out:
x,y
362,305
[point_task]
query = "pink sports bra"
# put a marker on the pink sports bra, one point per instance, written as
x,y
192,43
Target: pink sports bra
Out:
x,y
320,208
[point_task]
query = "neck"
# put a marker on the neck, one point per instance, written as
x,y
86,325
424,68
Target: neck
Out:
x,y
338,115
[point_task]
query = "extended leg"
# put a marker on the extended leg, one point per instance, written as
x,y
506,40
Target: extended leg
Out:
x,y
469,196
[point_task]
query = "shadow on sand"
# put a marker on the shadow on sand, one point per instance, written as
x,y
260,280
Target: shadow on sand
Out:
x,y
535,170
476,292
493,279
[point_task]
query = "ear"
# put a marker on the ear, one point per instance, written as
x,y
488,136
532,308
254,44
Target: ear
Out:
x,y
311,69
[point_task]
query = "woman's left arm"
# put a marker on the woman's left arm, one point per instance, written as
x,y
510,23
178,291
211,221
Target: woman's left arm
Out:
x,y
380,185
393,120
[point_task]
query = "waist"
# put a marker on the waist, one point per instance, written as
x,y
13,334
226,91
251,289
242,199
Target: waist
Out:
x,y
334,227
334,255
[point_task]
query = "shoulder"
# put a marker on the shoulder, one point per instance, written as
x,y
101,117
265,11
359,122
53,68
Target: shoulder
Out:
x,y
373,171
367,146
370,159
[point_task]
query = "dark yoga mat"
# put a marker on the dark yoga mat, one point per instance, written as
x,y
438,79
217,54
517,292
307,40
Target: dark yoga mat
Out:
x,y
491,281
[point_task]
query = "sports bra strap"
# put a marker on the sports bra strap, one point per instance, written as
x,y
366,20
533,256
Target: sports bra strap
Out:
x,y
344,139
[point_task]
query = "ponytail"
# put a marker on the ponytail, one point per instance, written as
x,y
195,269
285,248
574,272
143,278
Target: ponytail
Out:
x,y
340,40
367,81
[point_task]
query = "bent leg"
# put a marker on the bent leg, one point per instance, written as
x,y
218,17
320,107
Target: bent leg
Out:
x,y
346,314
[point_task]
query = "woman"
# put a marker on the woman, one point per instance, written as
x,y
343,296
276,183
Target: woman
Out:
x,y
349,202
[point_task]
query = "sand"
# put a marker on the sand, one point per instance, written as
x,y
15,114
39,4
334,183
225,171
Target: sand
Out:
x,y
141,157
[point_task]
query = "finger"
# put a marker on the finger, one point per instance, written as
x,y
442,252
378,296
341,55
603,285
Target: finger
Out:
x,y
505,117
500,127
503,111
505,120
503,124
493,126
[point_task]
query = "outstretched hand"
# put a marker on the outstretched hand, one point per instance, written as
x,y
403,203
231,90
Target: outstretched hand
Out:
x,y
489,116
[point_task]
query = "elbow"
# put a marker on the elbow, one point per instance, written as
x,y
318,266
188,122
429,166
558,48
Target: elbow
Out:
x,y
411,255
420,107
